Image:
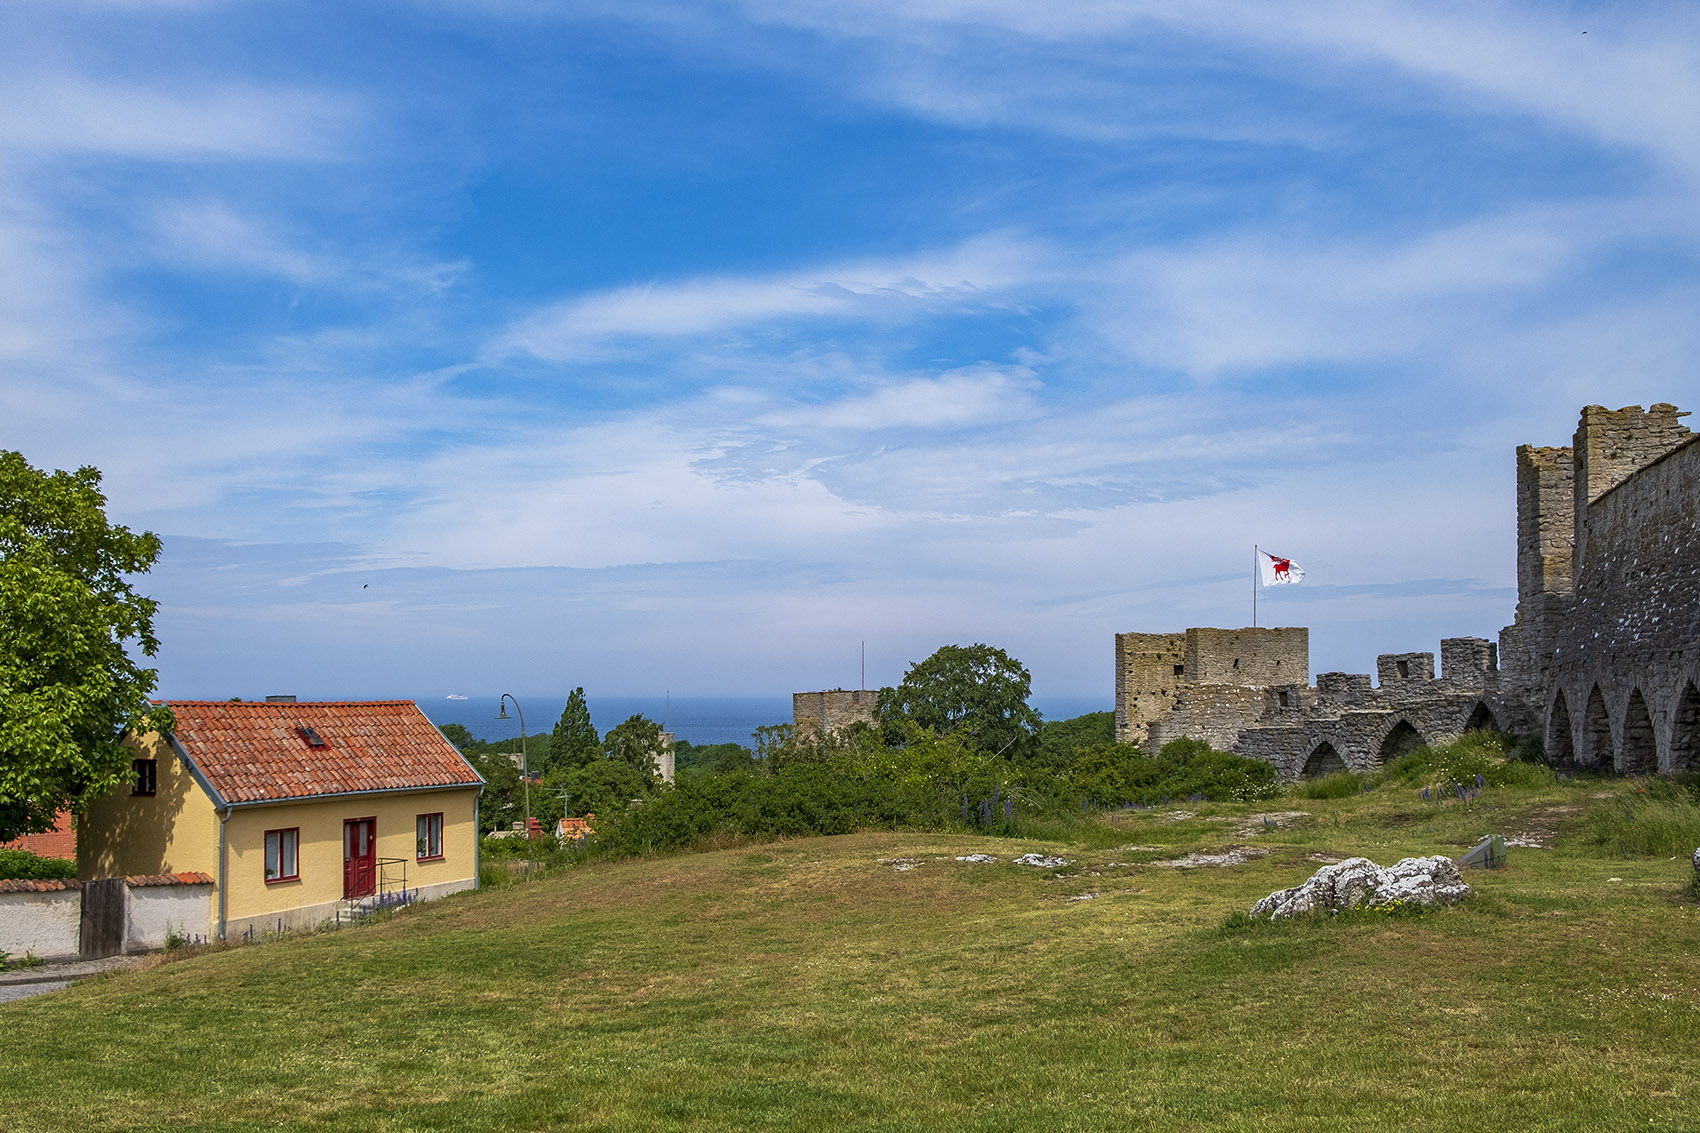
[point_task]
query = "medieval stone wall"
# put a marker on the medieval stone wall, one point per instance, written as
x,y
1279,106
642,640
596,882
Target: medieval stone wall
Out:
x,y
1619,668
1257,708
1602,659
833,710
1254,658
1150,669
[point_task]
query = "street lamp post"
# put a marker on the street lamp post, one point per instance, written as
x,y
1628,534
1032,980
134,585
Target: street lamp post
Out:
x,y
524,763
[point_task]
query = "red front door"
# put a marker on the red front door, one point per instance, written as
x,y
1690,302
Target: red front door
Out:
x,y
359,857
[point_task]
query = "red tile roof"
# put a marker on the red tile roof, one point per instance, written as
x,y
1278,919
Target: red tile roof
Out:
x,y
143,881
60,842
34,885
254,752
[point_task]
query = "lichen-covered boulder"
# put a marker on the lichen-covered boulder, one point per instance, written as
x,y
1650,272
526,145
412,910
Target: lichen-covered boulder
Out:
x,y
1358,883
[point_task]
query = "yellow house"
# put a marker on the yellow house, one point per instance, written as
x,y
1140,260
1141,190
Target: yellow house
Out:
x,y
301,812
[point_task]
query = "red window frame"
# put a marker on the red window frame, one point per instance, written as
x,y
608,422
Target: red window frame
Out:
x,y
287,836
144,778
430,847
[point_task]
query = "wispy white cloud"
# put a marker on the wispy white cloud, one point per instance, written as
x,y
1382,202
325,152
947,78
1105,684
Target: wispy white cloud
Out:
x,y
978,396
972,275
60,113
1623,77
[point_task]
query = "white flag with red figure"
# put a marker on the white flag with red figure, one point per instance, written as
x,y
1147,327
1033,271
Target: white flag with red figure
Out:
x,y
1276,571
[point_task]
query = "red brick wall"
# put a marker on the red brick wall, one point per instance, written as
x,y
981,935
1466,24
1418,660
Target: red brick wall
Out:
x,y
60,842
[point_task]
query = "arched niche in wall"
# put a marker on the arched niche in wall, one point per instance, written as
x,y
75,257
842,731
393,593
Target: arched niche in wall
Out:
x,y
1596,751
1402,739
1685,731
1323,761
1639,754
1561,748
1482,719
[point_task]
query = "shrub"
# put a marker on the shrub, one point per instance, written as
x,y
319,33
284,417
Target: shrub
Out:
x,y
23,864
1475,753
797,800
1117,774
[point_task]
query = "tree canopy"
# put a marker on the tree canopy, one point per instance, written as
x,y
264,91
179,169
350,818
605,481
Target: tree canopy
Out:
x,y
69,688
574,741
978,692
636,743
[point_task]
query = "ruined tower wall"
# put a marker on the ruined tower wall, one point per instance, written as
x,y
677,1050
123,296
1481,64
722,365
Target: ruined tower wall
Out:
x,y
1546,536
1468,662
1546,523
1602,650
1636,617
1248,657
1150,668
1611,445
1214,679
833,710
1214,713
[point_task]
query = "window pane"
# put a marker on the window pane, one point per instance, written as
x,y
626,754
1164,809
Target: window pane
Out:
x,y
272,841
289,840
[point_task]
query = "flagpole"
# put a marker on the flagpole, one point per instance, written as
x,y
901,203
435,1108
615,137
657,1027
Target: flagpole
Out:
x,y
1254,566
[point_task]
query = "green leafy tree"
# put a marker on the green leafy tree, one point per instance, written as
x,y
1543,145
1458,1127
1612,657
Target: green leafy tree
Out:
x,y
977,692
457,735
689,758
604,787
574,741
69,689
1059,740
503,802
636,743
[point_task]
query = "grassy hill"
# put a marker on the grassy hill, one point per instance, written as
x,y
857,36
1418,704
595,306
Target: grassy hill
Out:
x,y
815,983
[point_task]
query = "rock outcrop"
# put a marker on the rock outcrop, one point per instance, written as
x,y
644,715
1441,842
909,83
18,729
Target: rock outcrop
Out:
x,y
1358,883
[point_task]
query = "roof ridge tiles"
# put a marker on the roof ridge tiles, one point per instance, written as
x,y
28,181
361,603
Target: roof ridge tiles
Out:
x,y
252,752
269,704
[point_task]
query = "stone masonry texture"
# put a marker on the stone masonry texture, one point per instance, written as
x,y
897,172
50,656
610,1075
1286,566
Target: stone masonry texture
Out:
x,y
818,713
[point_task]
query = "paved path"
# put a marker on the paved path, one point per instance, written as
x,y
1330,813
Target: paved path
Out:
x,y
21,983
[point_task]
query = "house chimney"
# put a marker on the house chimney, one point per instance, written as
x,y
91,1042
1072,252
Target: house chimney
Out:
x,y
280,700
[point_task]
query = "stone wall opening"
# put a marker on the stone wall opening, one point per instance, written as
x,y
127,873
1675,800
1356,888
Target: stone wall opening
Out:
x,y
1685,731
1323,761
1561,749
1639,754
1596,734
1402,739
1482,719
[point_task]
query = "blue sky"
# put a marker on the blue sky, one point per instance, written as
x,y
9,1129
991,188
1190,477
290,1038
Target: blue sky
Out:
x,y
482,345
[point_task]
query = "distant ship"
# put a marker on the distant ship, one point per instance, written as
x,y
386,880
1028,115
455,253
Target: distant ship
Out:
x,y
454,696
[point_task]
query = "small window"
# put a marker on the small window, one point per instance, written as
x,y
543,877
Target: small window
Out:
x,y
430,837
1179,670
146,776
281,863
312,737
1404,670
1236,662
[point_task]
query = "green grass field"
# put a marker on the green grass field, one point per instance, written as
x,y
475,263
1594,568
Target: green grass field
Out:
x,y
813,984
